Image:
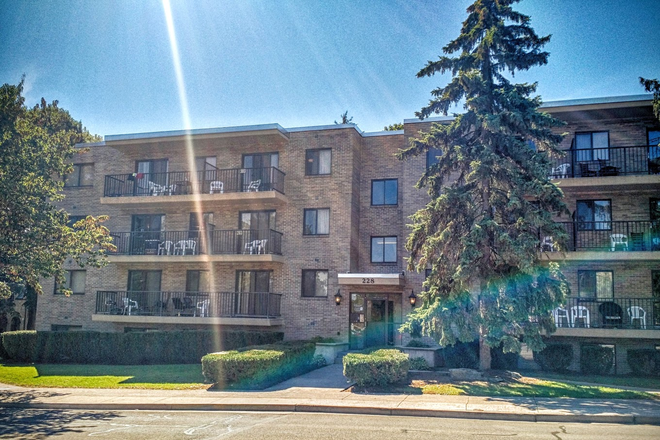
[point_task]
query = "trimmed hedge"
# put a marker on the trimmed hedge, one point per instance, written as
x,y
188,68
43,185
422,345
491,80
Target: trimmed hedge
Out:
x,y
595,359
503,361
378,368
554,357
177,347
419,363
461,355
644,362
261,366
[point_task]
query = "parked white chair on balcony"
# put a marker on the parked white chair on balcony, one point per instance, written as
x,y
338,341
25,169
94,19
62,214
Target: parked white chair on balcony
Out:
x,y
254,186
619,240
548,244
217,187
560,314
181,247
252,247
129,306
580,313
561,171
637,313
203,308
165,248
155,189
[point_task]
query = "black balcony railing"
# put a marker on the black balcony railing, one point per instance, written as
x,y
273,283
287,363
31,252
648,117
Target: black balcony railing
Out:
x,y
608,236
206,182
613,161
628,313
240,241
199,304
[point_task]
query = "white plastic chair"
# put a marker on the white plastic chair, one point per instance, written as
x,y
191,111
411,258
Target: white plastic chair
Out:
x,y
155,189
217,187
182,246
636,312
254,186
165,248
548,244
261,249
561,313
580,312
252,246
129,305
620,240
561,171
203,308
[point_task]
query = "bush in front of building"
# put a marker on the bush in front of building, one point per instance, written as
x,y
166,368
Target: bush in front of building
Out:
x,y
644,362
419,363
555,357
503,361
135,348
378,368
595,359
461,355
259,367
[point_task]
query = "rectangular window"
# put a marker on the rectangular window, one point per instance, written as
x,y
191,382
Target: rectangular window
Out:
x,y
261,160
253,280
82,175
432,155
316,222
593,145
315,283
594,215
385,192
207,224
383,249
197,281
206,167
154,171
74,280
595,284
144,280
318,162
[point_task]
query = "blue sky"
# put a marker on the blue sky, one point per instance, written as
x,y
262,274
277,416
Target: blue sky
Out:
x,y
297,62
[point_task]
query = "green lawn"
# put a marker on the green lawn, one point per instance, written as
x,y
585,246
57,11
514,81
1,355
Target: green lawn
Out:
x,y
162,377
650,383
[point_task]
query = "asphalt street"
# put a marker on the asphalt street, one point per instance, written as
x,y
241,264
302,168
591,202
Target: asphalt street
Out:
x,y
37,424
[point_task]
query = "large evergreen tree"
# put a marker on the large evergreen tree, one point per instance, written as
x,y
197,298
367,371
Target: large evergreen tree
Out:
x,y
490,192
36,151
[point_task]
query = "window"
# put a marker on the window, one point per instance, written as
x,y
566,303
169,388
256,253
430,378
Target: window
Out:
x,y
261,160
317,222
206,167
144,280
154,171
385,192
594,215
197,281
257,220
74,280
654,209
207,224
318,162
595,284
383,249
432,156
592,145
82,175
253,280
315,283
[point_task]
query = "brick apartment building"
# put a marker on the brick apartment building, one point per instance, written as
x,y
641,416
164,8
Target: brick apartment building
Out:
x,y
302,230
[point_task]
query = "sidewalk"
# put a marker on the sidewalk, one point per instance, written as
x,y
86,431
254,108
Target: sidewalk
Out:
x,y
322,390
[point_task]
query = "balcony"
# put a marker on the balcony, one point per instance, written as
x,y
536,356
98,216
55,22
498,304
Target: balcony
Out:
x,y
192,246
611,317
605,162
228,308
178,186
608,237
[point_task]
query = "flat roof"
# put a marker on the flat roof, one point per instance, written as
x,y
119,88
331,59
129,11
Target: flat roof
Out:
x,y
596,103
245,129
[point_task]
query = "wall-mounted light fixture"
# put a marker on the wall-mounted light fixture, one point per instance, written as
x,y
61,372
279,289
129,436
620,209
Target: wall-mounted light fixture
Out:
x,y
338,297
412,298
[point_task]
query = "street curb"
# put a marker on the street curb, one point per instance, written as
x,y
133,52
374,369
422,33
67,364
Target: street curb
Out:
x,y
628,419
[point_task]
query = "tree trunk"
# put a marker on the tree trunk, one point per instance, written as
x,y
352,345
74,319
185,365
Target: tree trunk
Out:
x,y
484,355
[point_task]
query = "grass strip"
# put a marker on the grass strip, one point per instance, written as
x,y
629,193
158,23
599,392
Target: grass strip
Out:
x,y
157,377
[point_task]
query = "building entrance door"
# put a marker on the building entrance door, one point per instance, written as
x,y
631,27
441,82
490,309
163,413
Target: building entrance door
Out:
x,y
374,318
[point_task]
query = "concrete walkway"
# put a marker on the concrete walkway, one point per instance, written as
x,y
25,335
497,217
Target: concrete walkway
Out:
x,y
322,390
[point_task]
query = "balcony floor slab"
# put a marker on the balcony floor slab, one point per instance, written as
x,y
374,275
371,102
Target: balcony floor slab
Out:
x,y
224,258
189,320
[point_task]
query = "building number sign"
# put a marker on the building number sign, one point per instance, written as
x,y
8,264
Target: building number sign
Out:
x,y
368,281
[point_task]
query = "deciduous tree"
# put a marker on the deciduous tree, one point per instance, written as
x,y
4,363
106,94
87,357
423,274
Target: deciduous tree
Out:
x,y
490,192
36,151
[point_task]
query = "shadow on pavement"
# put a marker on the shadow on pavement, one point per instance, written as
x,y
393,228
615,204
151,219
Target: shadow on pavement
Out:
x,y
35,424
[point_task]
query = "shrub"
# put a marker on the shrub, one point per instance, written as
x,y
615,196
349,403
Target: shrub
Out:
x,y
554,357
644,362
462,355
178,347
503,361
322,340
596,359
417,343
259,366
419,363
379,368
